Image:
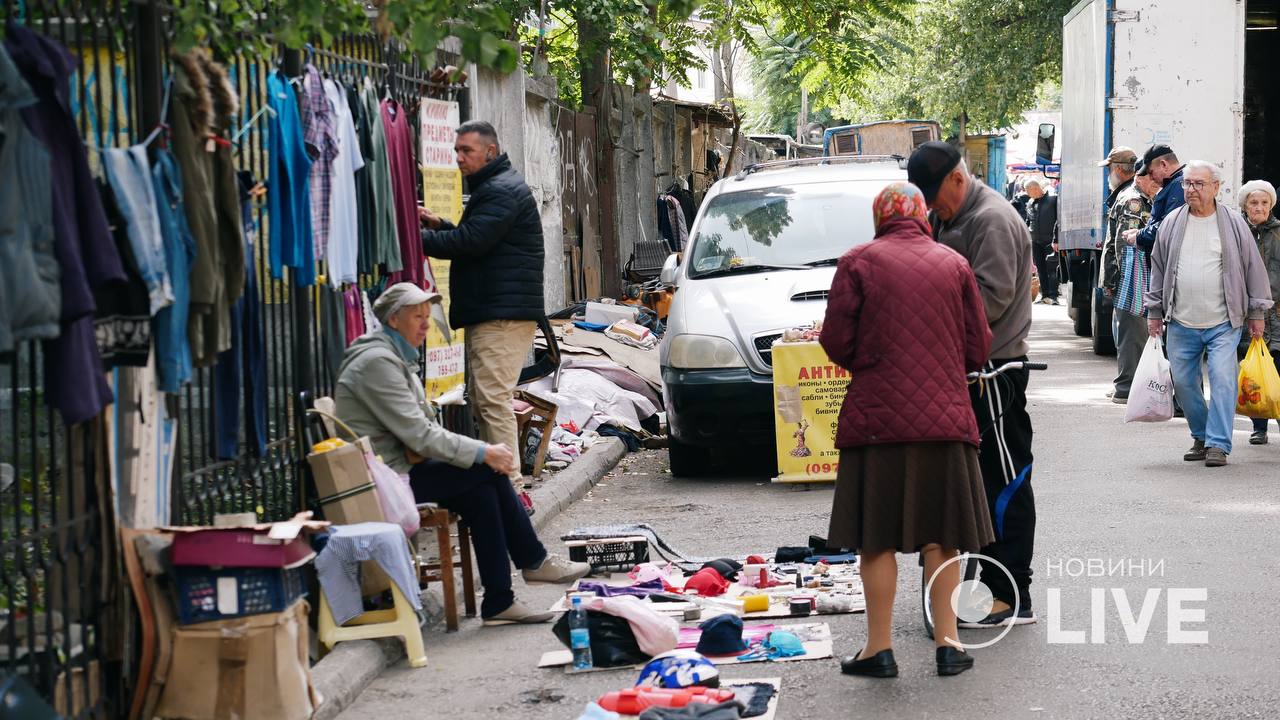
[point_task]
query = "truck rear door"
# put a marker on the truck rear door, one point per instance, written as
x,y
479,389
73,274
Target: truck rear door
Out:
x,y
1084,95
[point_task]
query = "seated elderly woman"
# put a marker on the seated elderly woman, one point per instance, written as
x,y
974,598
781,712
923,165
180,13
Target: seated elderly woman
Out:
x,y
380,396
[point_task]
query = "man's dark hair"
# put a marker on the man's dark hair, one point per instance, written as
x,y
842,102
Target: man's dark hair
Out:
x,y
481,128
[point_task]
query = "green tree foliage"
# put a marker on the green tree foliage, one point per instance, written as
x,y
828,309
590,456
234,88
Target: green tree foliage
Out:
x,y
983,61
232,26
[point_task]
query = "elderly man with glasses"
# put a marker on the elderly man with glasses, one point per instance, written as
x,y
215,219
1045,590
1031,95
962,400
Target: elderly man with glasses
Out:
x,y
1207,279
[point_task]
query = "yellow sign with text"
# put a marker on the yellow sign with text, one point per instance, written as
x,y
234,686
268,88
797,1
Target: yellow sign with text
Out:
x,y
442,194
808,390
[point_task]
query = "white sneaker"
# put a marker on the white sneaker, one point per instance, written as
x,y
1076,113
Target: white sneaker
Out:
x,y
556,570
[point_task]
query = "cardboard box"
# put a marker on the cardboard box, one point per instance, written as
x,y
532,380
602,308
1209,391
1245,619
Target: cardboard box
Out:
x,y
337,473
250,668
604,314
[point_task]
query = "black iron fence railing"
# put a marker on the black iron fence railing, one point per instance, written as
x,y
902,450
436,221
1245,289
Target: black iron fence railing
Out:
x,y
65,622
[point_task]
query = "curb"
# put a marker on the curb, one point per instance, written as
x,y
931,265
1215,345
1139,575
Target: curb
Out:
x,y
345,672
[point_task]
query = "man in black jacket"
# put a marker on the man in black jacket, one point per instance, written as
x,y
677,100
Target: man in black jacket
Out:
x,y
495,278
1042,216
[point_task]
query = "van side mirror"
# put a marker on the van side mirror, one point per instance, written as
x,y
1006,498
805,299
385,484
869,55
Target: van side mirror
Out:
x,y
670,267
1044,143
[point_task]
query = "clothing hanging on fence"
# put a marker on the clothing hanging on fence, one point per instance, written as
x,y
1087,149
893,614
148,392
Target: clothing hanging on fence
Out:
x,y
30,292
320,133
122,321
133,194
354,313
402,162
344,231
671,222
386,239
364,187
333,332
241,371
204,106
289,201
74,378
173,349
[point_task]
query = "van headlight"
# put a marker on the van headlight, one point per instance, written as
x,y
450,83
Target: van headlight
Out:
x,y
701,352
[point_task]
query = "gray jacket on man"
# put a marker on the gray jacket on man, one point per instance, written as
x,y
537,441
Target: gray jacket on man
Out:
x,y
989,234
1244,276
381,397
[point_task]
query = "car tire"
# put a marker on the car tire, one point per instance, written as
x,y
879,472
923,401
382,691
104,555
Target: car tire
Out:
x,y
1103,341
688,460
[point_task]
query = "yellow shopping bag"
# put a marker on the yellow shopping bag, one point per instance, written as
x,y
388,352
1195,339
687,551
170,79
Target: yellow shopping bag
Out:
x,y
1259,383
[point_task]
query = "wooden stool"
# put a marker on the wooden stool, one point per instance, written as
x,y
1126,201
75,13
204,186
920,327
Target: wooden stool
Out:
x,y
541,414
439,519
399,620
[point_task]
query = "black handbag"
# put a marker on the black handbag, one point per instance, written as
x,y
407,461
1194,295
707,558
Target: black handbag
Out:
x,y
613,644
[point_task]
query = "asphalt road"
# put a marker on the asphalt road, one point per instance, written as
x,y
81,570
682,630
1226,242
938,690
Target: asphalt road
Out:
x,y
1106,492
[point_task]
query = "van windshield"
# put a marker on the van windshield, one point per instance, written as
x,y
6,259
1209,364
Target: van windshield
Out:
x,y
782,227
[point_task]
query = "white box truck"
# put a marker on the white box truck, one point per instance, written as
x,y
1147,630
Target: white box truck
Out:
x,y
1202,76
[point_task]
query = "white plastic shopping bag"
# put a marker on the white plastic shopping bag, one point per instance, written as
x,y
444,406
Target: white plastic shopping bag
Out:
x,y
1151,394
395,495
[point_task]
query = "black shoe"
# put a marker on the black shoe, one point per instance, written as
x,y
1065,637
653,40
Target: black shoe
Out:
x,y
952,661
1258,438
1197,452
880,665
999,619
1177,412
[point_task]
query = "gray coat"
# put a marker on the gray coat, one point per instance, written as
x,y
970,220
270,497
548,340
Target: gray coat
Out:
x,y
380,396
1244,277
1268,237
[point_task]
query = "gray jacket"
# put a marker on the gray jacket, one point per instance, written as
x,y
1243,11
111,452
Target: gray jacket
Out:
x,y
989,234
1244,276
380,396
30,287
1268,237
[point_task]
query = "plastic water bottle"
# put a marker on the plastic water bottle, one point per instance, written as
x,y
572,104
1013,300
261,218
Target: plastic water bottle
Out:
x,y
579,636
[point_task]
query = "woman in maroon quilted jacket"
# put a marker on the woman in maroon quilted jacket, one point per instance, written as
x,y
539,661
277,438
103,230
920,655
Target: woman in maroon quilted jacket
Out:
x,y
906,319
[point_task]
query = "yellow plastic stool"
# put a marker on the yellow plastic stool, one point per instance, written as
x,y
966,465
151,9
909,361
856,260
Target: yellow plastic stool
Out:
x,y
400,620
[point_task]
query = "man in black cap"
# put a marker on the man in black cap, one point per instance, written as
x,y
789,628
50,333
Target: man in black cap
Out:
x,y
977,222
1162,164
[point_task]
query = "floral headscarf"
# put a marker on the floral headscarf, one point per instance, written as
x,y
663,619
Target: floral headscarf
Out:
x,y
900,199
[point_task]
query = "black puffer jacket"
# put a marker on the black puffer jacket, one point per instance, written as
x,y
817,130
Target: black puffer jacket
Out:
x,y
496,249
1042,216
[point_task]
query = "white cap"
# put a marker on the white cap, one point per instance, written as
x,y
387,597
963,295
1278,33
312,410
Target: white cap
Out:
x,y
400,296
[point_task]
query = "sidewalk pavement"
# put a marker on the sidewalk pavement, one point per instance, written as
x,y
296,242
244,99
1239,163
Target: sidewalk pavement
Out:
x,y
344,673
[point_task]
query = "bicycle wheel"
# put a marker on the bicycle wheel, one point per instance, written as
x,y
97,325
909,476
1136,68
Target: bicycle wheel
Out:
x,y
968,571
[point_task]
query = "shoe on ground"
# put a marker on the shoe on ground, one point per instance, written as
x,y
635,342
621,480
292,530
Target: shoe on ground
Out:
x,y
1119,399
1025,616
1258,438
1215,457
556,570
1177,412
953,661
1196,453
519,614
880,665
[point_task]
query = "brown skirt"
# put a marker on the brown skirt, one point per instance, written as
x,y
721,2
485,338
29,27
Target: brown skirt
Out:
x,y
904,496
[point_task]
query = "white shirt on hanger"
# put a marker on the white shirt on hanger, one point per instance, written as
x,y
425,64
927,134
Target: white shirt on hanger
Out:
x,y
344,224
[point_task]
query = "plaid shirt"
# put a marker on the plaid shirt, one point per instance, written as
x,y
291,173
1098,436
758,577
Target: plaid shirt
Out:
x,y
320,134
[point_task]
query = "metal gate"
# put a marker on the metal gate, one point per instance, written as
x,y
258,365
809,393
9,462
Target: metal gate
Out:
x,y
580,204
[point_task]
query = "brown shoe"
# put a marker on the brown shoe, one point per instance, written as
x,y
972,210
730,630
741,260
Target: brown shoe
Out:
x,y
1215,457
1196,453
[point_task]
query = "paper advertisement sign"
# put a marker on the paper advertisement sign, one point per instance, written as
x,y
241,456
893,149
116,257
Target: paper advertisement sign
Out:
x,y
808,390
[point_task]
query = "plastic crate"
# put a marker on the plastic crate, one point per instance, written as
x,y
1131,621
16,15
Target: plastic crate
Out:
x,y
620,554
256,590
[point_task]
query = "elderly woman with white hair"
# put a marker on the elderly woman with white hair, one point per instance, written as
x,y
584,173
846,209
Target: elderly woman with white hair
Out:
x,y
1258,203
380,395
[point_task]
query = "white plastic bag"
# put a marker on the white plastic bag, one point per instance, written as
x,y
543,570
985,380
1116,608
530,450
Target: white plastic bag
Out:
x,y
1151,394
395,496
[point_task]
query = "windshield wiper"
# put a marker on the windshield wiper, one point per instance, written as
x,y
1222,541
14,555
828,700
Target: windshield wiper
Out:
x,y
745,269
824,263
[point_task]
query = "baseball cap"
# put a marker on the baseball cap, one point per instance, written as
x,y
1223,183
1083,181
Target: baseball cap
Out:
x,y
1142,168
1156,151
929,166
399,296
1120,155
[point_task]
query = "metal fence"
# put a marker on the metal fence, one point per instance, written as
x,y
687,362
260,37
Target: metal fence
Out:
x,y
64,615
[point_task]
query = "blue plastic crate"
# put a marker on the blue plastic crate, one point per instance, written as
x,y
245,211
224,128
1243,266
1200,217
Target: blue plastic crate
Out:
x,y
258,590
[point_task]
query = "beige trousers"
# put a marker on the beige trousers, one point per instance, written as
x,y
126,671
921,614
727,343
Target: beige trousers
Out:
x,y
496,351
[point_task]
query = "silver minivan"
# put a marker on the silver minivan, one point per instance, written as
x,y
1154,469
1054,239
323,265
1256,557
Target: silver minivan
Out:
x,y
760,259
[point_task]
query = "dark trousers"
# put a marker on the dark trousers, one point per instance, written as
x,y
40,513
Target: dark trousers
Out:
x,y
1005,458
1131,339
1046,261
500,527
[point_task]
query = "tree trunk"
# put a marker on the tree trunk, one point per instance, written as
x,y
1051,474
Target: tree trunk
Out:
x,y
597,92
724,58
